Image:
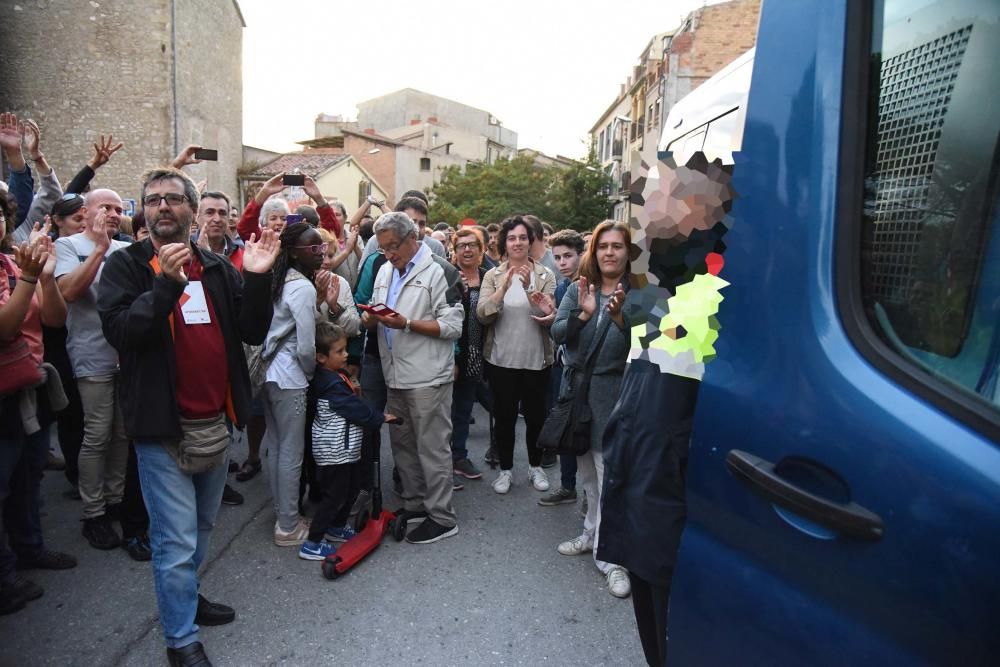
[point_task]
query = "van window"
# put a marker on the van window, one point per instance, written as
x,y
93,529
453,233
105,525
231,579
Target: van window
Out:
x,y
720,139
930,245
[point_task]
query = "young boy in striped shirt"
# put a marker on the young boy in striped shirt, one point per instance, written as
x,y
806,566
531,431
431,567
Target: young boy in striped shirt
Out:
x,y
338,428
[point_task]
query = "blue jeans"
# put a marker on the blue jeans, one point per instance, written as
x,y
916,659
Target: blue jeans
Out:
x,y
182,511
22,462
464,397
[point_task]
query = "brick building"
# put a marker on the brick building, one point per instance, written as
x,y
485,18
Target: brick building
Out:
x,y
671,65
158,74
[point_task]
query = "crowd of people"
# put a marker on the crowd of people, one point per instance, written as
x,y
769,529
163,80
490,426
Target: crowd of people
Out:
x,y
122,332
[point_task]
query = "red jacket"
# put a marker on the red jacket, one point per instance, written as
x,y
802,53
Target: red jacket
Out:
x,y
250,220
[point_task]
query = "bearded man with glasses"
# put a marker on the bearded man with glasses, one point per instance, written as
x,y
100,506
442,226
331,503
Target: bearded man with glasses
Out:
x,y
175,314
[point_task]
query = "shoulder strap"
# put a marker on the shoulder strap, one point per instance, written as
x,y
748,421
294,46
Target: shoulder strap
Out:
x,y
602,333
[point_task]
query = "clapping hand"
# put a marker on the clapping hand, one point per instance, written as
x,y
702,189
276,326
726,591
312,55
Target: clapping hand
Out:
x,y
33,258
38,230
173,257
259,256
586,298
547,305
99,230
327,288
615,305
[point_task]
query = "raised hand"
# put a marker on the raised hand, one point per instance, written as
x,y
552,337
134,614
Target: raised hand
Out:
x,y
259,256
312,191
32,137
271,187
103,150
173,257
186,157
10,132
587,298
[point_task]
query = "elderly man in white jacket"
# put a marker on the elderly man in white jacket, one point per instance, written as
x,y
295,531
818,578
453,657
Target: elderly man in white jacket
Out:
x,y
416,337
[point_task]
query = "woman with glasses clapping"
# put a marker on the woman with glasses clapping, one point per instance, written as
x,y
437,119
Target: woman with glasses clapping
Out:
x,y
291,348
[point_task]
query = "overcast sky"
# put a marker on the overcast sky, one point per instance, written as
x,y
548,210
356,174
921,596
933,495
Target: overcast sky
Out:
x,y
546,68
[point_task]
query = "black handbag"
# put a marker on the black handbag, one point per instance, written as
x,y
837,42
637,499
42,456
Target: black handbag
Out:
x,y
566,430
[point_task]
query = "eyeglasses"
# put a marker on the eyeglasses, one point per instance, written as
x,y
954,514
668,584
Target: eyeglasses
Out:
x,y
70,196
466,246
316,248
171,198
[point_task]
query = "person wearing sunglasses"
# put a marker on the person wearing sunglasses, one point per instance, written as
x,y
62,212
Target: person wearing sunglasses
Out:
x,y
291,344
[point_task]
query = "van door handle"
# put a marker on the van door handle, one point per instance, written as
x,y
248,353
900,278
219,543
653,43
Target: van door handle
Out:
x,y
849,519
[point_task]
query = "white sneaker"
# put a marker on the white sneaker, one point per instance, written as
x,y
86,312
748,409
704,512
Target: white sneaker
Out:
x,y
576,546
538,478
292,538
618,583
503,481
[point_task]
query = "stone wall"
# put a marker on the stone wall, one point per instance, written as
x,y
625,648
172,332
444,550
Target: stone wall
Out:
x,y
210,87
82,68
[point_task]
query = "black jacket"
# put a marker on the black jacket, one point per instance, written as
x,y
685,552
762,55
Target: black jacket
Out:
x,y
135,305
643,504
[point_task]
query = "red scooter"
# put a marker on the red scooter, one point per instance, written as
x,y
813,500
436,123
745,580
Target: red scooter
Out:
x,y
371,526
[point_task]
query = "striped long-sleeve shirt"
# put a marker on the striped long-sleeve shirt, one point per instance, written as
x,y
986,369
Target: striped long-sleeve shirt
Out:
x,y
340,420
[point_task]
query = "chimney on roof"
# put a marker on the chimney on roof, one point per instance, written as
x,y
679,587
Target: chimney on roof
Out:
x,y
432,119
369,130
414,121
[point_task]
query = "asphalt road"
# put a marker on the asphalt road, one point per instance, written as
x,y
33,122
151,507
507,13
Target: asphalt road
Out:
x,y
496,594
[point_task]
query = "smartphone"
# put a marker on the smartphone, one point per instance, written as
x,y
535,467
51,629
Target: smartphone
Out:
x,y
293,218
293,179
377,309
206,154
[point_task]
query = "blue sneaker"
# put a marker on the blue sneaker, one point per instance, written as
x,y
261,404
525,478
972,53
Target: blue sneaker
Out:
x,y
341,534
316,550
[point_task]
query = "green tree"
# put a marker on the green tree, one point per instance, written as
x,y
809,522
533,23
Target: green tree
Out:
x,y
565,197
581,195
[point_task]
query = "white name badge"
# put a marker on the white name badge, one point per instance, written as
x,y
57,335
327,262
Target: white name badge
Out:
x,y
194,306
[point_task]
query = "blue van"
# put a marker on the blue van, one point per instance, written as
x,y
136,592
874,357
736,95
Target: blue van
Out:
x,y
844,471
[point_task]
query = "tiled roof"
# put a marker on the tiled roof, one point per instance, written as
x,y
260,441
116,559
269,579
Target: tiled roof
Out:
x,y
310,164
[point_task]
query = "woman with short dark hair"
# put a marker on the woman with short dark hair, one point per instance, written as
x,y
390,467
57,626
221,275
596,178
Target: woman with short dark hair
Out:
x,y
516,307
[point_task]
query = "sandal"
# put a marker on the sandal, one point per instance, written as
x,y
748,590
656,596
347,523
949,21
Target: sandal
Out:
x,y
248,470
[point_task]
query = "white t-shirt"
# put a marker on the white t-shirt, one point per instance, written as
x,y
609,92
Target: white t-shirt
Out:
x,y
518,341
90,354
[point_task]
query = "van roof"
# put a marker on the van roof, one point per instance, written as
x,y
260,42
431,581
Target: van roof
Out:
x,y
725,91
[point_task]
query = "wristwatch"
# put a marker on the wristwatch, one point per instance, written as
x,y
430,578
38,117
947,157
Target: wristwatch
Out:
x,y
406,327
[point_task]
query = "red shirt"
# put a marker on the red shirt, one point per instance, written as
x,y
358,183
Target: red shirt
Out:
x,y
202,366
